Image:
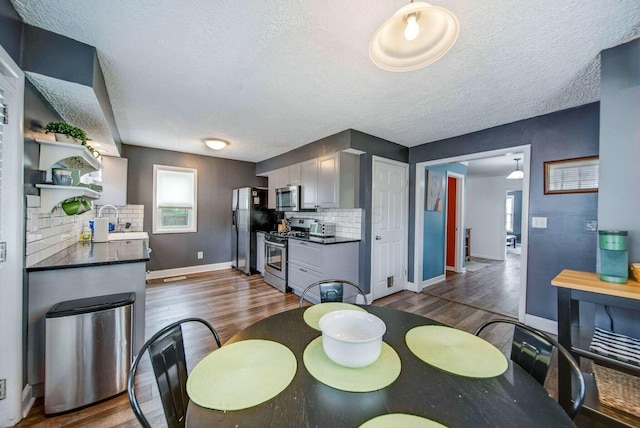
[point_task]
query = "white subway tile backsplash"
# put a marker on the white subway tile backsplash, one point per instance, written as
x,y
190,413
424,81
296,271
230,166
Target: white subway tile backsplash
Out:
x,y
348,222
48,233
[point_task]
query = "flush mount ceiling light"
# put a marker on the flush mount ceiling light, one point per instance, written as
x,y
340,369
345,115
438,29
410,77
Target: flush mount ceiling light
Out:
x,y
416,35
516,174
215,143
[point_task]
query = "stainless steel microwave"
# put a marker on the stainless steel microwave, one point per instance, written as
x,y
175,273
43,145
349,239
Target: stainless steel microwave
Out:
x,y
288,198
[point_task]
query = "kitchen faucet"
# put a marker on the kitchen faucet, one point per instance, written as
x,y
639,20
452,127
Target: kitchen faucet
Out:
x,y
112,206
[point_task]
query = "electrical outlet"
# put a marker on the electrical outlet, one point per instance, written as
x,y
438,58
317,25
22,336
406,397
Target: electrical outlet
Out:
x,y
3,389
200,254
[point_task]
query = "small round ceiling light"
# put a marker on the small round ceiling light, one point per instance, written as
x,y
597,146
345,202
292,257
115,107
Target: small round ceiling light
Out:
x,y
416,35
215,143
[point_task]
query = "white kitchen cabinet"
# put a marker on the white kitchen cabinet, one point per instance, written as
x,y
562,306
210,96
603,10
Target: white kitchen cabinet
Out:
x,y
310,262
330,181
114,181
260,252
309,183
283,177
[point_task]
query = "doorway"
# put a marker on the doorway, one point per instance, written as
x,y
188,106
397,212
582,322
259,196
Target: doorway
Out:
x,y
497,244
389,231
11,235
454,220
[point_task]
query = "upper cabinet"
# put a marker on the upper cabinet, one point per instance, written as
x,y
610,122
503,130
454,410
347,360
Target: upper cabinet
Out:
x,y
73,156
326,182
114,181
330,181
283,177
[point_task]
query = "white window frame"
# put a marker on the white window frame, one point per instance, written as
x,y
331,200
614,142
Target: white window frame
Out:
x,y
193,226
510,214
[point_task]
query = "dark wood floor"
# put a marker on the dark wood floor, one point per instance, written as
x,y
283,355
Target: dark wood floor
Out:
x,y
495,288
231,302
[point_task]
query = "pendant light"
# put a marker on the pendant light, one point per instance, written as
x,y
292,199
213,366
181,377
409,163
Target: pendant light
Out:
x,y
516,174
416,35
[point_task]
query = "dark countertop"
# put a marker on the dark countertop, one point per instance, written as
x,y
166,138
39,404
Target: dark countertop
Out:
x,y
86,253
327,241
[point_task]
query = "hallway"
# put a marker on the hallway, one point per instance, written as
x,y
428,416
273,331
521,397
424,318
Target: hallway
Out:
x,y
495,288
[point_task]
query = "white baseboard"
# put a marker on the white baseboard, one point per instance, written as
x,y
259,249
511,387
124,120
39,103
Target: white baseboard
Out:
x,y
424,284
411,286
27,400
540,323
186,270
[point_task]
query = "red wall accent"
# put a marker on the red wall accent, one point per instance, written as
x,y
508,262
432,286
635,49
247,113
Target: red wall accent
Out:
x,y
451,220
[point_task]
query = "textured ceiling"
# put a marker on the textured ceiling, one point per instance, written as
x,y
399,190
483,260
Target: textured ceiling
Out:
x,y
273,75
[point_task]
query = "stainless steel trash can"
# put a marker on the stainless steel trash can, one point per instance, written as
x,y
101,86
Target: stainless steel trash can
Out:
x,y
88,350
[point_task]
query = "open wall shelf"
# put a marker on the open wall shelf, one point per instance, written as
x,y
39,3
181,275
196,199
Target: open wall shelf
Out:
x,y
74,156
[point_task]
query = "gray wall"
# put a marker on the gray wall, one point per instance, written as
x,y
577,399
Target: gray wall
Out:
x,y
10,30
619,204
619,201
216,178
564,244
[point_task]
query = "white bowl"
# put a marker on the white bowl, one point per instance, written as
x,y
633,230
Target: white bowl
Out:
x,y
352,338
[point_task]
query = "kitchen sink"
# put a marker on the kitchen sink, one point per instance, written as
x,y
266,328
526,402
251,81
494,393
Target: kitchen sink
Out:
x,y
121,236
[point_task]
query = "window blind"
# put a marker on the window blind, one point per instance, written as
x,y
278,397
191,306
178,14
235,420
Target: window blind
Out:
x,y
576,175
175,189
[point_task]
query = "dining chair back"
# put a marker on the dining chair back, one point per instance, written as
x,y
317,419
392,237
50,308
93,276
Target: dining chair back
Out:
x,y
166,351
531,349
333,290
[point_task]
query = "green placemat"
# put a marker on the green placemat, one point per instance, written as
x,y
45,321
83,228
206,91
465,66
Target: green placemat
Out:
x,y
375,376
241,375
313,313
456,351
401,420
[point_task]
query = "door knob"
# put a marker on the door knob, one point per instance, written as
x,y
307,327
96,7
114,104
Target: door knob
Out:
x,y
378,237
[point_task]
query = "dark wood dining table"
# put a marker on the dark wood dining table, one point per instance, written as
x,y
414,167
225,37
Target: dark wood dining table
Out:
x,y
508,400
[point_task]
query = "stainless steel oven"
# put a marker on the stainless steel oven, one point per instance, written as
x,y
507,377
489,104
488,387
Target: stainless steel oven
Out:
x,y
275,261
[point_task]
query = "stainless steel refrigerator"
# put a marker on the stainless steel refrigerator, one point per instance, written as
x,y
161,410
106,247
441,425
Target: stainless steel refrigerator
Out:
x,y
249,214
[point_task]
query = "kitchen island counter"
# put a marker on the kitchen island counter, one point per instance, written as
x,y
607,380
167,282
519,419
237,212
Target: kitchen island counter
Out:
x,y
86,254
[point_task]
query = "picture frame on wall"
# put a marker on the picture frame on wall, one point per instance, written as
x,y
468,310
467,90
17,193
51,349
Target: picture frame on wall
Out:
x,y
434,190
576,175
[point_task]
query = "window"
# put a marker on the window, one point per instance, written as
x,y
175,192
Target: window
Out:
x,y
174,199
510,212
571,175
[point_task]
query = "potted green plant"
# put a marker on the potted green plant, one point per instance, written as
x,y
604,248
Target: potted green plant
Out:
x,y
65,132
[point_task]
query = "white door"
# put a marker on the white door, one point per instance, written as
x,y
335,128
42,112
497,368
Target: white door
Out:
x,y
11,237
389,227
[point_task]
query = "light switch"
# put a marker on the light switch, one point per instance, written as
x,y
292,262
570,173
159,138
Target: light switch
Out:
x,y
539,222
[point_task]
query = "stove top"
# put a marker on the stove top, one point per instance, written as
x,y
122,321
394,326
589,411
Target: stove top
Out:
x,y
290,234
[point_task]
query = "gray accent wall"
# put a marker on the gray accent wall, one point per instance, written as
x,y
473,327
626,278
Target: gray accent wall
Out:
x,y
216,178
619,204
564,244
10,30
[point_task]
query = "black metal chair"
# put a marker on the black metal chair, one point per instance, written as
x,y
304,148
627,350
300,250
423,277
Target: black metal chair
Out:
x,y
166,351
531,349
332,290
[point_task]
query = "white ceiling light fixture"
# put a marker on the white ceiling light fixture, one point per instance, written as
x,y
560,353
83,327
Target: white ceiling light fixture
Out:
x,y
215,143
416,35
516,174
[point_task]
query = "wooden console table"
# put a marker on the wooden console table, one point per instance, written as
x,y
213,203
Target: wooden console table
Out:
x,y
573,287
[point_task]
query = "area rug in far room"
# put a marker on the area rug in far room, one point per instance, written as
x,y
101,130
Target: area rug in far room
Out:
x,y
475,266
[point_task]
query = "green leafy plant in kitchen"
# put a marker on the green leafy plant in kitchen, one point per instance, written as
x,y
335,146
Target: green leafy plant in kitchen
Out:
x,y
68,130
